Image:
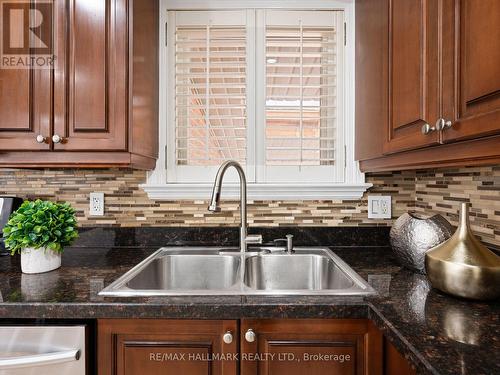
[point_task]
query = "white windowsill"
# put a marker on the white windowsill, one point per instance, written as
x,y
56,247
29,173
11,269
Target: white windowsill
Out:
x,y
259,191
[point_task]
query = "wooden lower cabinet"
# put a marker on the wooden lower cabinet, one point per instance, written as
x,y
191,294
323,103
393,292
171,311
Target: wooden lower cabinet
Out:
x,y
166,347
394,362
280,346
308,346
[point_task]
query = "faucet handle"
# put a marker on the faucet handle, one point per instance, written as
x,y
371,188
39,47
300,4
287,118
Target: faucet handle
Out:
x,y
289,242
254,239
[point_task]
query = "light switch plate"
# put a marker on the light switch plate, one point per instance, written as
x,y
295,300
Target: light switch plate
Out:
x,y
379,207
96,204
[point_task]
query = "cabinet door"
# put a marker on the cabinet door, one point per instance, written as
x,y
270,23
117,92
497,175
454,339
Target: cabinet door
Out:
x,y
303,346
91,75
471,68
394,362
24,109
166,347
413,74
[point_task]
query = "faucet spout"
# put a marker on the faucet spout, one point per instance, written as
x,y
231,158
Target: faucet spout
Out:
x,y
214,202
214,205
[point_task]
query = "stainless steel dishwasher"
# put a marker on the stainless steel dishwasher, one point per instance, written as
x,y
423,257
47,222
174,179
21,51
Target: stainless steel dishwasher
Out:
x,y
42,350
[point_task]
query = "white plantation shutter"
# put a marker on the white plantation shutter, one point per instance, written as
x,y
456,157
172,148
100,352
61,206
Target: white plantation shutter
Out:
x,y
303,96
300,100
263,87
210,59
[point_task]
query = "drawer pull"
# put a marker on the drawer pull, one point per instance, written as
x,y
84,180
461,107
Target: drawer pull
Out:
x,y
427,129
56,138
228,337
41,139
443,124
250,335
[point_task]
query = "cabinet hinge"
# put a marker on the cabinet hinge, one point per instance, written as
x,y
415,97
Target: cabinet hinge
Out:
x,y
345,34
166,33
345,156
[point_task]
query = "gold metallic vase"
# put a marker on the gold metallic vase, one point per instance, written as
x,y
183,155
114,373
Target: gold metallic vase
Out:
x,y
463,266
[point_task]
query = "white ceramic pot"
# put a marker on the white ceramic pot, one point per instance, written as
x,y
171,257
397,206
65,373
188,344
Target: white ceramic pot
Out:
x,y
39,260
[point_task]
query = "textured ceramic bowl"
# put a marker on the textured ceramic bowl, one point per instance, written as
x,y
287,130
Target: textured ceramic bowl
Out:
x,y
412,235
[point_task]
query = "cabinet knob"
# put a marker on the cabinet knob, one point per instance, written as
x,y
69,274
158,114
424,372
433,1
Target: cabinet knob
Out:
x,y
56,138
227,337
443,124
41,139
427,129
250,335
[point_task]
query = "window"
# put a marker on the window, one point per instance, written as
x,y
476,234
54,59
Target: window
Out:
x,y
210,94
303,83
265,87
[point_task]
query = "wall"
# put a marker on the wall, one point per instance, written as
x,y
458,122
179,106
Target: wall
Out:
x,y
440,191
127,205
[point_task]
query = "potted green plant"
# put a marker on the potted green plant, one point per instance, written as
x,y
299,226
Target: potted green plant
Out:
x,y
39,230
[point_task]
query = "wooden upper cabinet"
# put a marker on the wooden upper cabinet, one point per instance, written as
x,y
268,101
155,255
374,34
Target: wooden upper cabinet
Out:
x,y
413,74
91,87
24,109
25,105
372,61
432,64
98,106
471,68
166,347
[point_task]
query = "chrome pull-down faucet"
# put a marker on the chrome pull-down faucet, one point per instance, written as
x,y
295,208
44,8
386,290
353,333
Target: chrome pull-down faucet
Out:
x,y
215,200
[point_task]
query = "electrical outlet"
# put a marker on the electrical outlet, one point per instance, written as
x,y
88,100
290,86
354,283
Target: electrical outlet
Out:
x,y
96,204
379,207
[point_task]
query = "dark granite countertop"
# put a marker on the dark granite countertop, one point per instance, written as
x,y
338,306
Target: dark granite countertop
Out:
x,y
437,333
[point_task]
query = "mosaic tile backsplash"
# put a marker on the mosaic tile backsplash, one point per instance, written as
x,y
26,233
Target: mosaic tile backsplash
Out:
x,y
127,205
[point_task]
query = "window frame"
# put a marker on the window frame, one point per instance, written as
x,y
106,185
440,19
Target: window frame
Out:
x,y
161,183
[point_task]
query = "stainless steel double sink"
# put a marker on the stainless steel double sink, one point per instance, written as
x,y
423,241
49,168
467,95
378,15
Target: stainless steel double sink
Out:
x,y
222,271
